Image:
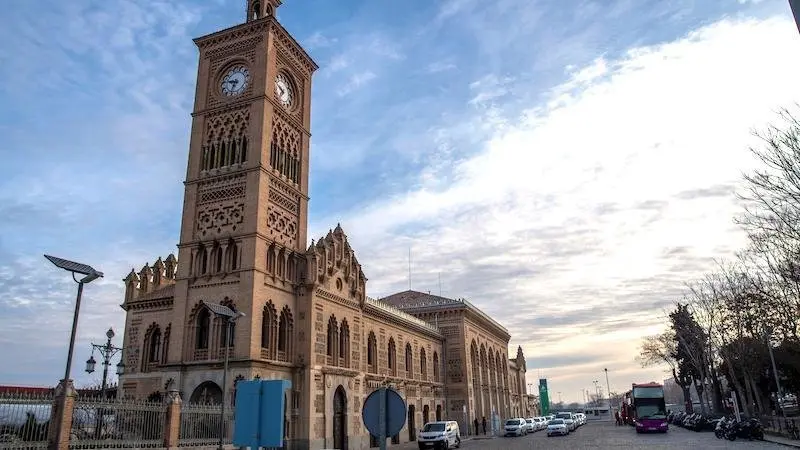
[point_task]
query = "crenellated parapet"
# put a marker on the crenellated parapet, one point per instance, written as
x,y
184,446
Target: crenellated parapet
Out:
x,y
150,278
332,263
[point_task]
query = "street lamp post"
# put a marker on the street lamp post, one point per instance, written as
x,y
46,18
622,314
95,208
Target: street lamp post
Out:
x,y
90,274
610,413
107,352
775,372
229,316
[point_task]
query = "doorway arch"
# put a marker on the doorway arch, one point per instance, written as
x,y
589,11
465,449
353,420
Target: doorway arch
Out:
x,y
412,427
438,413
207,392
426,411
340,419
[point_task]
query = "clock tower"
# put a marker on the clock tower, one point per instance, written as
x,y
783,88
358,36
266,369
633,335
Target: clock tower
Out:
x,y
244,226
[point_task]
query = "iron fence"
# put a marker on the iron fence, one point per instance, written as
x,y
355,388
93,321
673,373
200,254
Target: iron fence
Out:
x,y
24,420
200,425
116,423
785,426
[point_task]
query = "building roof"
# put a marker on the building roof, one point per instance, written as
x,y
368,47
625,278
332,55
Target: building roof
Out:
x,y
27,390
415,301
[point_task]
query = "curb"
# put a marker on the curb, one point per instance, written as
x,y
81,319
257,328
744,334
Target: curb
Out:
x,y
781,441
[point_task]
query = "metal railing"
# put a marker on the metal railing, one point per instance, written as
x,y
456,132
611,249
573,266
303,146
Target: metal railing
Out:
x,y
785,426
200,425
24,420
113,423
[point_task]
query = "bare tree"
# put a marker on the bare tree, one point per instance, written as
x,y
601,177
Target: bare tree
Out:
x,y
773,191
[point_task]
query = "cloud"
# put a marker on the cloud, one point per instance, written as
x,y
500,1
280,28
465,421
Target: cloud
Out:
x,y
356,81
579,218
440,66
318,40
574,174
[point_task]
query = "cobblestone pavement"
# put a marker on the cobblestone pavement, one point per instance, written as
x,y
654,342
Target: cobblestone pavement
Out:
x,y
607,436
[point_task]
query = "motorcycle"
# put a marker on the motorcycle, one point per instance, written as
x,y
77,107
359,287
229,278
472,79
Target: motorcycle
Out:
x,y
722,425
746,429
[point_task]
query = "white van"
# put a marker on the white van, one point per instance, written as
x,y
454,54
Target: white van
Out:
x,y
444,434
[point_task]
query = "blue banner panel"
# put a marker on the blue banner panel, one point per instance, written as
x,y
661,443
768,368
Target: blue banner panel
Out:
x,y
271,414
246,414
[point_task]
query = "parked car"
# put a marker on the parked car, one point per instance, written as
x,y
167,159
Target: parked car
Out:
x,y
443,435
557,427
568,419
530,425
515,427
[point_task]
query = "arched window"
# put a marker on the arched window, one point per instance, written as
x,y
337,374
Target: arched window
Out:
x,y
280,263
233,250
435,367
154,350
372,353
203,327
201,260
285,332
269,324
423,364
255,14
218,259
409,361
271,259
392,357
344,344
165,344
333,340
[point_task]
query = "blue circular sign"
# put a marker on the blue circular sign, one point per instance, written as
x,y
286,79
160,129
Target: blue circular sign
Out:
x,y
394,412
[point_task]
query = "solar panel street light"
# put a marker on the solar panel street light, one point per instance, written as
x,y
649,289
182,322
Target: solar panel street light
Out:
x,y
90,274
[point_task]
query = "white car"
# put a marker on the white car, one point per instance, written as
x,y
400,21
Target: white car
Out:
x,y
515,427
568,419
557,427
443,434
541,423
530,425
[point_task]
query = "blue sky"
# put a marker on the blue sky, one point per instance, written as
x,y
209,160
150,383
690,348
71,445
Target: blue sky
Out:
x,y
565,168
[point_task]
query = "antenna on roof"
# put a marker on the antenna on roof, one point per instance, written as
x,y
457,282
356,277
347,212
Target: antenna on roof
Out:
x,y
440,284
409,268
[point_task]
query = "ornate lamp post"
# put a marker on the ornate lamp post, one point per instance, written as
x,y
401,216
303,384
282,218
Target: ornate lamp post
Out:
x,y
107,352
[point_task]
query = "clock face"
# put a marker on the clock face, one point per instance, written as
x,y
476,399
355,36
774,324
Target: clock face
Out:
x,y
283,89
235,81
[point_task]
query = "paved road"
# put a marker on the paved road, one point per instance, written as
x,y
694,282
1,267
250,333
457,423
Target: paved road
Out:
x,y
595,435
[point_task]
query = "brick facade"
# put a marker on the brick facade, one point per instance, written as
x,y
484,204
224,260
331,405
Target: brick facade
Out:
x,y
307,317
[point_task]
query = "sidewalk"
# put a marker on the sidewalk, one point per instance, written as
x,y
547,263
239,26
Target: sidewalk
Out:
x,y
781,440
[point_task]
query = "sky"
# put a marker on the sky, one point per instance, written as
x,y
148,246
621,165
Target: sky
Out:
x,y
565,168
